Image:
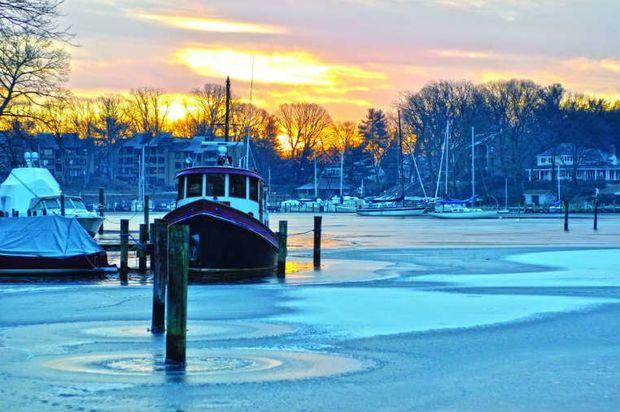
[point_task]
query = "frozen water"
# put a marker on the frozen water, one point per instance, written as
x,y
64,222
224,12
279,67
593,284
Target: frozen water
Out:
x,y
406,314
350,312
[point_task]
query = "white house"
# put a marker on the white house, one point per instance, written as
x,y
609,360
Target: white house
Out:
x,y
588,165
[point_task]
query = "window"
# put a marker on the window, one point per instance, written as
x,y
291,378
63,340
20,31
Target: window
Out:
x,y
194,185
181,187
254,189
236,186
215,185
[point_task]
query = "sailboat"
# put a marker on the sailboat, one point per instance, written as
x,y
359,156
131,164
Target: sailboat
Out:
x,y
457,209
388,207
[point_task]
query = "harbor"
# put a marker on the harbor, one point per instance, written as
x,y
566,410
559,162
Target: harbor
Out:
x,y
428,314
355,205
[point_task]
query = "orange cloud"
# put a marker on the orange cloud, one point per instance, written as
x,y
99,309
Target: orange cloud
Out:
x,y
216,25
279,67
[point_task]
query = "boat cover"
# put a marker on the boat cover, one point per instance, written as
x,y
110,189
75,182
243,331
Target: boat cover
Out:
x,y
23,184
45,236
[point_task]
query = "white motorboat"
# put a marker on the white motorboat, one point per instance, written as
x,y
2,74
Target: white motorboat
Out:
x,y
460,212
33,191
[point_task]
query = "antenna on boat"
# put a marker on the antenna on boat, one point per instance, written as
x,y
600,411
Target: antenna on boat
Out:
x,y
249,127
227,116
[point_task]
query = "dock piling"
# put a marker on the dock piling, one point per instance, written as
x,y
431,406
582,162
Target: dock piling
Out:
x,y
146,213
566,215
142,248
124,249
176,324
62,204
159,261
101,207
282,235
316,255
595,214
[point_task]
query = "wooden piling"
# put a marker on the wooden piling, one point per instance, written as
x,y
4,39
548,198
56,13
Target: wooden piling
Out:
x,y
124,249
146,213
62,204
101,207
316,255
142,248
29,212
176,324
566,215
595,214
282,235
159,262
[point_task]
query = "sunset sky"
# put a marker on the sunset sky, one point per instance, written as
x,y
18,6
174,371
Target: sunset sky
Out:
x,y
346,55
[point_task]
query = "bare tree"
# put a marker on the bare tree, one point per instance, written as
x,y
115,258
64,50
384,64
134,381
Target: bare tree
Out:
x,y
303,125
111,126
36,17
147,110
207,111
31,68
82,117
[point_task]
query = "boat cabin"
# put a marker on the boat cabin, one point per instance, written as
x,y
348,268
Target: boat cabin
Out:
x,y
238,188
50,205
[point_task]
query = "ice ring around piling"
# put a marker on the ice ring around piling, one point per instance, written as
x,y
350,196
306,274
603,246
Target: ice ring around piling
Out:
x,y
196,330
100,331
226,365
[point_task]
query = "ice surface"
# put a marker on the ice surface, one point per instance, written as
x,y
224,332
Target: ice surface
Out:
x,y
571,268
353,312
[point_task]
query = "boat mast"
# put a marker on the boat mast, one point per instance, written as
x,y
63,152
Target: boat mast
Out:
x,y
400,160
247,138
473,168
227,113
341,170
447,152
506,193
443,151
559,191
316,186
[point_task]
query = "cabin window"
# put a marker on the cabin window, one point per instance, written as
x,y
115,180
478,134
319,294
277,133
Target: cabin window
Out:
x,y
254,189
237,186
215,185
194,185
181,187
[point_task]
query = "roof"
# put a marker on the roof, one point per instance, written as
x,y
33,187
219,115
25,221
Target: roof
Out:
x,y
587,155
218,170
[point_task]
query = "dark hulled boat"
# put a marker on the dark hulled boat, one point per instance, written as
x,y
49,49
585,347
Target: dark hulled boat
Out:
x,y
49,245
224,207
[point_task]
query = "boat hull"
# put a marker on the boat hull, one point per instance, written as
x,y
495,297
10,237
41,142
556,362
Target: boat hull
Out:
x,y
225,241
392,211
485,214
94,263
90,224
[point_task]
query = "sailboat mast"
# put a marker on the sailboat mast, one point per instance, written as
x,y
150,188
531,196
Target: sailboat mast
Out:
x,y
316,186
443,151
341,171
447,152
559,188
227,113
506,193
473,167
400,160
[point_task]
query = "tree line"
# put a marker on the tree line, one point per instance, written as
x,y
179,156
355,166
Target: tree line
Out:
x,y
512,120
